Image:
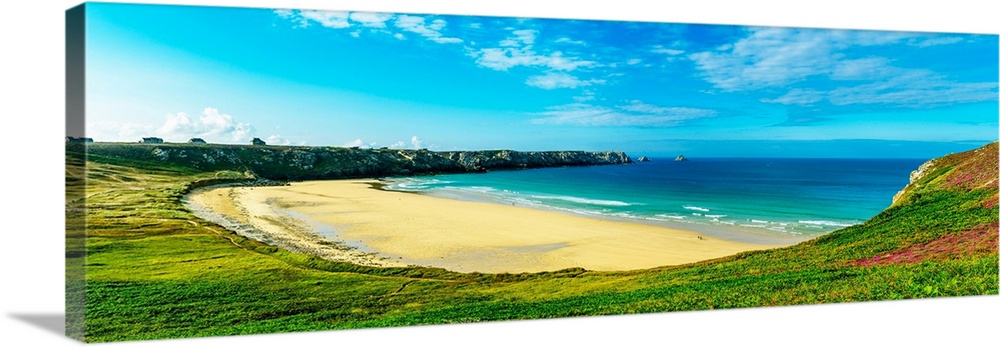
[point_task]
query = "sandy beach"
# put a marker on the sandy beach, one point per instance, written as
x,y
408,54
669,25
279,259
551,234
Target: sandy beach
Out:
x,y
387,228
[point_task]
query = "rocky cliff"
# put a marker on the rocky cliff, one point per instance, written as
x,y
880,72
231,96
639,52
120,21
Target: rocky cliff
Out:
x,y
304,163
971,170
508,159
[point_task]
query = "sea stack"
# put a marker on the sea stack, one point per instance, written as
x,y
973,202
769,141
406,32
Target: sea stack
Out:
x,y
680,158
643,159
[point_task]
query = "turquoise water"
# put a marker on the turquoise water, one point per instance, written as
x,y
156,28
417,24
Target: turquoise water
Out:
x,y
802,197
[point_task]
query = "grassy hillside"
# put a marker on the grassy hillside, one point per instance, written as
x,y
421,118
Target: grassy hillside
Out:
x,y
154,271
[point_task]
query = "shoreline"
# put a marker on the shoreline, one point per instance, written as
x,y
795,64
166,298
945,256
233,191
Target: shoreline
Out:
x,y
726,232
359,221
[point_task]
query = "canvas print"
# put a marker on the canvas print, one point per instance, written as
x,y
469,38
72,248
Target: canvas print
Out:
x,y
239,171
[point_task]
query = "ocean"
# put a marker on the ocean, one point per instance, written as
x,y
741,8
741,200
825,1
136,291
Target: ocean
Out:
x,y
725,197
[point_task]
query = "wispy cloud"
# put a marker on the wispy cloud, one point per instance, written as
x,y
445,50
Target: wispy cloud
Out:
x,y
586,95
373,22
781,58
660,49
635,113
775,57
518,50
860,69
525,37
884,84
914,88
934,41
356,143
417,142
277,140
370,19
431,31
570,41
329,19
554,80
768,57
798,97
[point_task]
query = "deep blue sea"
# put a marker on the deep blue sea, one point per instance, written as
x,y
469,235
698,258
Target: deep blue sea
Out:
x,y
801,197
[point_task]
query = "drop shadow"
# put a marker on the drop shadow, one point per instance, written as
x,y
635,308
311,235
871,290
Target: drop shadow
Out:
x,y
52,322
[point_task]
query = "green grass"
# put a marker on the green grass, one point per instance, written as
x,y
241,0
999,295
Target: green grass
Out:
x,y
155,271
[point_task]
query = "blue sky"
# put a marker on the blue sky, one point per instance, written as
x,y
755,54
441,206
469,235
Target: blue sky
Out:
x,y
303,77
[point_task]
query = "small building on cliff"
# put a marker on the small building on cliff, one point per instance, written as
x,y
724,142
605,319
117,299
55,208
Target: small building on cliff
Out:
x,y
151,140
258,142
197,141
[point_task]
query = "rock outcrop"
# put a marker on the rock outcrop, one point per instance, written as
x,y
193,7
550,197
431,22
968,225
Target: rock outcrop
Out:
x,y
643,159
305,163
680,158
915,176
970,170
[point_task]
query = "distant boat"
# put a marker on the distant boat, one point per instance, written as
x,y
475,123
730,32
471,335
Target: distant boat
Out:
x,y
680,158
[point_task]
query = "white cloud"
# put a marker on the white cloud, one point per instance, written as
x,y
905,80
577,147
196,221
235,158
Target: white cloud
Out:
x,y
277,140
570,41
777,57
635,113
376,21
431,32
355,143
781,57
860,69
518,50
633,61
768,57
799,97
437,24
668,51
285,13
210,125
119,132
934,41
914,88
521,37
586,95
559,80
329,19
371,19
890,86
399,144
416,142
